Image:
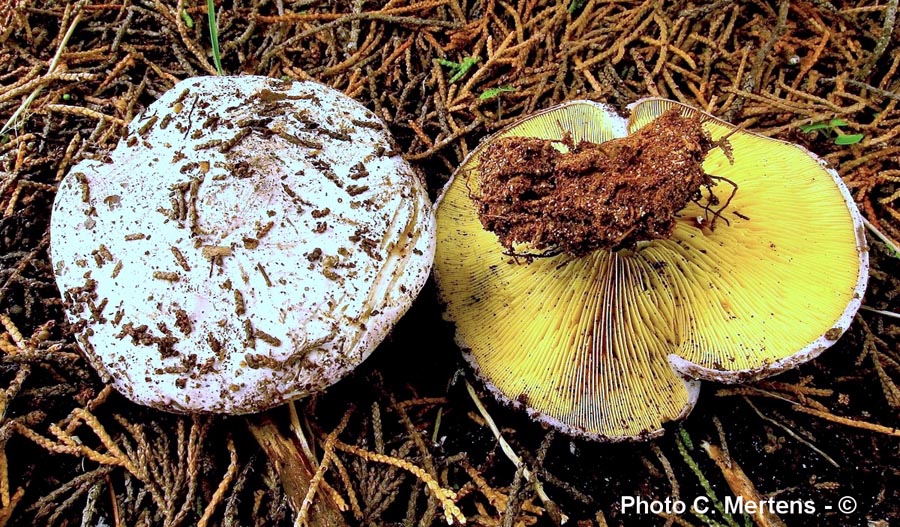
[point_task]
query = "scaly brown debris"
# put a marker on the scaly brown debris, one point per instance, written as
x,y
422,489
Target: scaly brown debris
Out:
x,y
595,196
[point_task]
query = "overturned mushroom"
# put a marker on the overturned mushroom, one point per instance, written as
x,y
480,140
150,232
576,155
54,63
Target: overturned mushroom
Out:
x,y
249,242
606,337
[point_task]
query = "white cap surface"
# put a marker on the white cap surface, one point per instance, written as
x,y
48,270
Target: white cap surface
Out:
x,y
249,242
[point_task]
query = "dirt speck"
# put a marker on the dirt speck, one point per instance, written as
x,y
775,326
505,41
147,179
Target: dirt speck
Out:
x,y
834,333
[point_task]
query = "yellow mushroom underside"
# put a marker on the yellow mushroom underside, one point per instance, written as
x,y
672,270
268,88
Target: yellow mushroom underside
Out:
x,y
585,342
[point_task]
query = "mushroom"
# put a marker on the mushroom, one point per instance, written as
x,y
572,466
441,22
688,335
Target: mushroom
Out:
x,y
610,344
249,242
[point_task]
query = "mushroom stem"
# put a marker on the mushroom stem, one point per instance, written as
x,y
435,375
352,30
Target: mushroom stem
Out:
x,y
295,470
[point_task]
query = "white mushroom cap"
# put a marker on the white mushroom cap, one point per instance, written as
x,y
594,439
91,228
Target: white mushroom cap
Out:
x,y
249,242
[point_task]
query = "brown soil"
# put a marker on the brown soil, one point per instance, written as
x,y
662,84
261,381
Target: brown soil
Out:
x,y
596,196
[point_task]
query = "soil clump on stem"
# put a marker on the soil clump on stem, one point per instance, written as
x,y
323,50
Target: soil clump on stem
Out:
x,y
595,196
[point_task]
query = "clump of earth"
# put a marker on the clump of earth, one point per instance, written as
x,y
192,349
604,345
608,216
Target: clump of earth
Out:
x,y
596,196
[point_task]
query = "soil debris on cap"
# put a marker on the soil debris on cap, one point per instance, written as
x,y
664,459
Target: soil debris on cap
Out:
x,y
226,229
597,195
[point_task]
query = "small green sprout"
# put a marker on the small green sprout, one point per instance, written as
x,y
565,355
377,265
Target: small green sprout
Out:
x,y
576,5
188,21
459,69
490,93
214,34
830,129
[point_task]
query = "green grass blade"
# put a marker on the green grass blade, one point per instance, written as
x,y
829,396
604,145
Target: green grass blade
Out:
x,y
214,35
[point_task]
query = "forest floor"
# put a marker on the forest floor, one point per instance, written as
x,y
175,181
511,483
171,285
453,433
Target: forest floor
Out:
x,y
73,74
